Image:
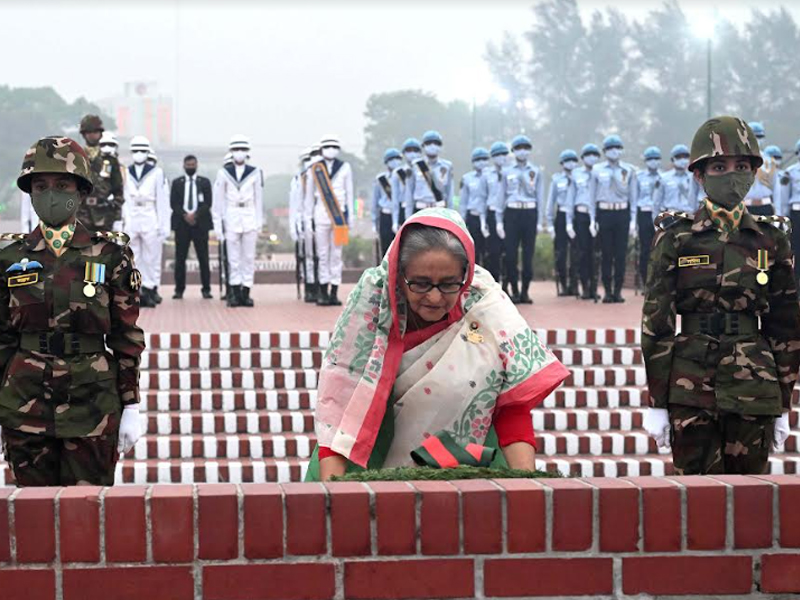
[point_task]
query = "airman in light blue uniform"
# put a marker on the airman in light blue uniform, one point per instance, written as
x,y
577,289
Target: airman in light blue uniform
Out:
x,y
560,226
412,150
581,216
474,199
419,193
648,181
383,204
790,190
494,178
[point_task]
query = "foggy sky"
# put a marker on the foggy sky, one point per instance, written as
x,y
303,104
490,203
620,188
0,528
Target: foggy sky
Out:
x,y
283,73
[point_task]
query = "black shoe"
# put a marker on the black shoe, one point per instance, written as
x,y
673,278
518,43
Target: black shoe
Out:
x,y
245,299
177,295
334,297
311,293
322,298
146,298
207,295
618,298
156,296
587,295
234,294
608,299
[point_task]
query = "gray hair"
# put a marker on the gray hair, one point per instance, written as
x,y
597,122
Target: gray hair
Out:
x,y
418,238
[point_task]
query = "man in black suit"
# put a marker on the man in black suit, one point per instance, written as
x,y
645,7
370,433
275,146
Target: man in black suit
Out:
x,y
190,198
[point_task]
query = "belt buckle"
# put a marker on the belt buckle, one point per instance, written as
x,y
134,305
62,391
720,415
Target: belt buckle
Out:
x,y
56,343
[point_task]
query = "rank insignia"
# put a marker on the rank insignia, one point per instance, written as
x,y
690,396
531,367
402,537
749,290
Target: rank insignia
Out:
x,y
694,261
23,279
135,280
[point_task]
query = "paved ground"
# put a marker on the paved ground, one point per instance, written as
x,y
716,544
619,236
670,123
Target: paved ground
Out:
x,y
277,309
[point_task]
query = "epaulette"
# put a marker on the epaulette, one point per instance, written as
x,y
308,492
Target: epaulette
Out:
x,y
118,237
670,218
777,221
12,237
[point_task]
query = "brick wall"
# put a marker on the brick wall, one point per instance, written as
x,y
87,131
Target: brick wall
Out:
x,y
484,539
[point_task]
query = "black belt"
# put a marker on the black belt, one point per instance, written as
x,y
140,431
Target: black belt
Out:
x,y
716,324
58,343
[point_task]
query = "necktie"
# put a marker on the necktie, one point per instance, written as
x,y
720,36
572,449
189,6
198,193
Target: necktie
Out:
x,y
192,202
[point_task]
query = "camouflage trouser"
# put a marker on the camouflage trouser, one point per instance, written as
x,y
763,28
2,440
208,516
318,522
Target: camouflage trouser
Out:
x,y
705,442
38,460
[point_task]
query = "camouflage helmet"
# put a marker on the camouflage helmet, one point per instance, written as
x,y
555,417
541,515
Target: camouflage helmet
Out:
x,y
55,154
91,123
724,136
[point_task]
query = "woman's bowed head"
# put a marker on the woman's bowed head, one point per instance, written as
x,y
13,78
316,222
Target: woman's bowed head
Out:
x,y
417,353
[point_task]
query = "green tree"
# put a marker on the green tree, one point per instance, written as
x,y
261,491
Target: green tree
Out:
x,y
27,114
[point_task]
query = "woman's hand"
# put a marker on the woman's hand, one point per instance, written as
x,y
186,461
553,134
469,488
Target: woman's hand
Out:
x,y
520,455
332,465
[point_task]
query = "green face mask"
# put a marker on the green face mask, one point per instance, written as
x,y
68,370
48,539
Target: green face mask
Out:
x,y
730,189
55,208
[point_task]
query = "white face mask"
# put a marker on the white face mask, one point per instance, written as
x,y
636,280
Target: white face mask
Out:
x,y
570,164
653,163
107,149
681,163
501,160
432,149
522,154
613,153
481,164
239,156
590,160
411,155
330,153
139,156
393,163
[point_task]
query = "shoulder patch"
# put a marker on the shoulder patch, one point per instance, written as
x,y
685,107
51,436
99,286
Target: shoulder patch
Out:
x,y
671,218
118,237
777,221
12,237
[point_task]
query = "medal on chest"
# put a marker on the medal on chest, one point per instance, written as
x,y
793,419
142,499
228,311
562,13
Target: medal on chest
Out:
x,y
763,264
94,274
473,336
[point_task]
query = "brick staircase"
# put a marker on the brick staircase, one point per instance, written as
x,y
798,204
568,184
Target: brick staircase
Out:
x,y
238,407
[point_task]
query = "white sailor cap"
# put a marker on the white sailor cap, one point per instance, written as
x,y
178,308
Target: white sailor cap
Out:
x,y
329,141
239,142
139,143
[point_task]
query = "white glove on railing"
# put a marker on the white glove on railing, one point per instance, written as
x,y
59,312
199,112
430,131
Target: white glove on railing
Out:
x,y
656,424
782,430
130,428
571,232
593,228
501,231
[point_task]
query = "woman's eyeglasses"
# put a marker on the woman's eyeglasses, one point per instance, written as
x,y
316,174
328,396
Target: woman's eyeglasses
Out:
x,y
423,287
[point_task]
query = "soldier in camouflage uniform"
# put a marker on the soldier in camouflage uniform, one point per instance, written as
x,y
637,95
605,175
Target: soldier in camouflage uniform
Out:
x,y
69,343
103,206
721,388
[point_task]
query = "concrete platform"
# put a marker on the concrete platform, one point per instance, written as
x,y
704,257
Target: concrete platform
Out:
x,y
277,309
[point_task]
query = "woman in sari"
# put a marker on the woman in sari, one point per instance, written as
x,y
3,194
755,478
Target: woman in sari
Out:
x,y
429,348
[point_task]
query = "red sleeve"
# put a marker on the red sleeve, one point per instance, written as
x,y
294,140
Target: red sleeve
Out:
x,y
514,424
325,452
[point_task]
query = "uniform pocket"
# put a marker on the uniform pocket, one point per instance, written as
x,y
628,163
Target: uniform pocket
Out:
x,y
24,295
691,380
90,314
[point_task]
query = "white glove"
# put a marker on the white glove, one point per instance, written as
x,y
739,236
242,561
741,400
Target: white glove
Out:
x,y
501,231
551,231
163,236
782,430
220,236
130,429
374,230
293,230
116,226
571,232
656,424
395,228
484,230
593,228
632,230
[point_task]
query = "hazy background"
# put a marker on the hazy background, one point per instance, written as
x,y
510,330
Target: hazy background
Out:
x,y
285,73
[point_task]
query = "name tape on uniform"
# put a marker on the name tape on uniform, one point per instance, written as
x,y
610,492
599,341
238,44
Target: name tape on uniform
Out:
x,y
694,261
22,280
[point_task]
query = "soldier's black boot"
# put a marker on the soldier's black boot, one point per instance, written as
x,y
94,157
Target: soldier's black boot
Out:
x,y
334,297
322,296
514,293
608,298
234,293
618,296
311,293
156,296
146,298
563,290
524,298
246,300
